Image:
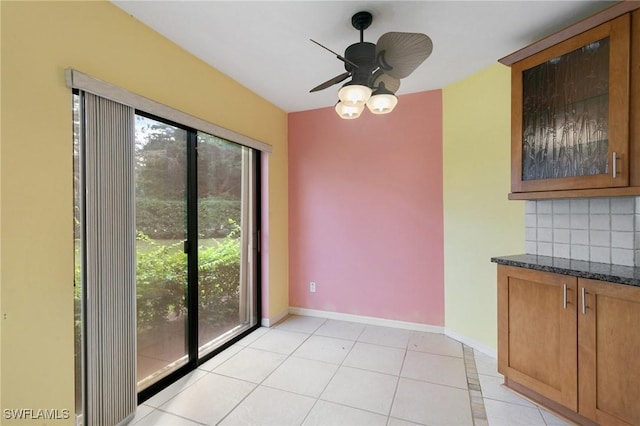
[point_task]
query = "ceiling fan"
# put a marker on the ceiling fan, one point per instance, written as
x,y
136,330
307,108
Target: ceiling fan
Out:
x,y
375,69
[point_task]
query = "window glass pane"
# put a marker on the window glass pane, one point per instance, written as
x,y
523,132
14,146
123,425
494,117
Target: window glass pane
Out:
x,y
566,115
225,194
161,180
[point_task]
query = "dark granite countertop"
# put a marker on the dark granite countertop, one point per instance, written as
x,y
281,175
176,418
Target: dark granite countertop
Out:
x,y
628,275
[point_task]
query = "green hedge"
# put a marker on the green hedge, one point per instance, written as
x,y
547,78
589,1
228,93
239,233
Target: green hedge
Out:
x,y
162,278
217,217
165,219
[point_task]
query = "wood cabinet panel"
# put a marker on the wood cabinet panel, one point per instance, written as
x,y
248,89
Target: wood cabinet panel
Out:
x,y
634,99
537,332
609,353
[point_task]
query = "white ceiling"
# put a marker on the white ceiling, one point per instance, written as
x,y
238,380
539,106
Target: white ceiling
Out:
x,y
264,45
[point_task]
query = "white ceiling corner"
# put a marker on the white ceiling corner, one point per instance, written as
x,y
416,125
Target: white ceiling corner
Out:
x,y
264,45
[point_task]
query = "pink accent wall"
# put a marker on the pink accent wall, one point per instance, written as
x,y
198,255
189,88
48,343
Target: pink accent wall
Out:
x,y
365,211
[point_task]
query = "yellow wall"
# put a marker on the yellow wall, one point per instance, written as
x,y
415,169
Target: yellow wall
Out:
x,y
479,221
278,296
39,40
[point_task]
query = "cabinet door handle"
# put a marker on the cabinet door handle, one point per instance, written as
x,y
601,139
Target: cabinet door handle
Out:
x,y
564,295
614,167
584,301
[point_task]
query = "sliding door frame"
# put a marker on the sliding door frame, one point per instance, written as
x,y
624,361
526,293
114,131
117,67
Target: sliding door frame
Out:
x,y
191,249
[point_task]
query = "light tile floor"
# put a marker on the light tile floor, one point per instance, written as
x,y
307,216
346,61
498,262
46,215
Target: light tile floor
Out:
x,y
314,371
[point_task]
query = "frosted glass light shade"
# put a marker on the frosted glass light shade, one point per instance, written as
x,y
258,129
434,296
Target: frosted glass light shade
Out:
x,y
354,94
382,103
349,112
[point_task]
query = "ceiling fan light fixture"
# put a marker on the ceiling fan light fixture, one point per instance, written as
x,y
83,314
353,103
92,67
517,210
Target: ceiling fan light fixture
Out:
x,y
382,101
354,94
349,112
375,69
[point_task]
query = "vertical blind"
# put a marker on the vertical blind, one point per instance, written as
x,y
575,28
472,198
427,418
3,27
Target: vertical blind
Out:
x,y
110,260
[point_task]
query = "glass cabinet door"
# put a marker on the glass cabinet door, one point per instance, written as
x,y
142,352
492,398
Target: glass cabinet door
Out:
x,y
570,113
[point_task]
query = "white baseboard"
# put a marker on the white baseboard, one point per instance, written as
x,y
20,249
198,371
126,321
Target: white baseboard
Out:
x,y
366,320
480,347
272,320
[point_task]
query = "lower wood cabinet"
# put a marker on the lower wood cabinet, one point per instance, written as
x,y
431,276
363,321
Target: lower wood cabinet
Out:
x,y
609,353
573,341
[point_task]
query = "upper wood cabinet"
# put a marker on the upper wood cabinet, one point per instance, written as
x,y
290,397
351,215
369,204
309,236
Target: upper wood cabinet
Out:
x,y
574,111
570,113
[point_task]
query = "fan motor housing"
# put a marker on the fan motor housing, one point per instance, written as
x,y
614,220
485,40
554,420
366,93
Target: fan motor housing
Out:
x,y
361,20
362,54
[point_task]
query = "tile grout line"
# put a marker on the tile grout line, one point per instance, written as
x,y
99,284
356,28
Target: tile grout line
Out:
x,y
340,365
355,342
395,391
265,378
478,411
319,398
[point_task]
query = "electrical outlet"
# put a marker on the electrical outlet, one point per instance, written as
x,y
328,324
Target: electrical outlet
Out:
x,y
312,287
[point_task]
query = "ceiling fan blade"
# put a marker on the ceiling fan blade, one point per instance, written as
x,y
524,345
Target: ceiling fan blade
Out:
x,y
342,58
399,54
390,83
335,80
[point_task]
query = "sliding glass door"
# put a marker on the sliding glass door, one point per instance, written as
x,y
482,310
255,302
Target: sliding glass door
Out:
x,y
196,257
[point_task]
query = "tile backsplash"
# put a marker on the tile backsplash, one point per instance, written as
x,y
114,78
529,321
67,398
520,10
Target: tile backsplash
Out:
x,y
595,229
